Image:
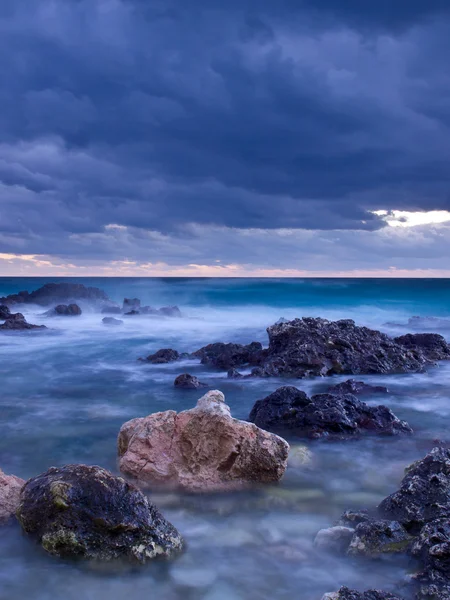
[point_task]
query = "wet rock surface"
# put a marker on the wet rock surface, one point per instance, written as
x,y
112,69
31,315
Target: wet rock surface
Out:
x,y
377,537
290,411
17,322
10,487
56,293
163,356
201,449
357,388
345,593
188,382
79,511
432,345
227,356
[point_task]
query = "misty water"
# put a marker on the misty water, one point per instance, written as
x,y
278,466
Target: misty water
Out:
x,y
66,392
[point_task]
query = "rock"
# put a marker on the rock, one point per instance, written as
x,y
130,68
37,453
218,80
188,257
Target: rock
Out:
x,y
234,374
202,449
131,304
163,356
132,313
148,310
352,518
314,347
64,310
4,312
346,594
170,311
18,322
357,388
226,356
290,411
432,345
80,511
334,539
10,487
374,538
432,549
111,321
111,310
424,494
55,293
189,382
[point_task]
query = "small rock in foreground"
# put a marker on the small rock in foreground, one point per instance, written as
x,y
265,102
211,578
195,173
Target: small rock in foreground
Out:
x,y
79,511
17,322
346,594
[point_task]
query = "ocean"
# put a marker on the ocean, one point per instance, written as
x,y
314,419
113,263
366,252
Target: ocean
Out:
x,y
66,392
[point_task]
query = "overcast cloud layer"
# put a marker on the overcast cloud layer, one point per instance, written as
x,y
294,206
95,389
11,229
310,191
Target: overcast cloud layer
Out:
x,y
144,136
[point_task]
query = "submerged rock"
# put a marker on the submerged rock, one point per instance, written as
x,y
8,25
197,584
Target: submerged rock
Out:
x,y
131,304
234,374
424,494
163,356
10,487
357,388
290,411
226,356
78,511
376,537
111,321
55,293
187,381
170,311
18,322
334,539
346,594
64,310
201,449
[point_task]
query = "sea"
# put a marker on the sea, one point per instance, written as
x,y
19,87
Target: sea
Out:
x,y
66,392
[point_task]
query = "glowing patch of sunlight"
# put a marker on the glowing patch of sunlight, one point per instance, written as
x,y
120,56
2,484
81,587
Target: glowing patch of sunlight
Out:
x,y
404,218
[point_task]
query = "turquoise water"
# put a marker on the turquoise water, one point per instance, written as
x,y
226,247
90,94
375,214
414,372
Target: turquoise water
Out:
x,y
66,392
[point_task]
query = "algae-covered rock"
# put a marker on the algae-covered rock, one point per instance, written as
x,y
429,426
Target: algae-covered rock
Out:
x,y
374,538
79,511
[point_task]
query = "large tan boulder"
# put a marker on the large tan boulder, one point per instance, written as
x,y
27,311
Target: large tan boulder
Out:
x,y
202,449
10,487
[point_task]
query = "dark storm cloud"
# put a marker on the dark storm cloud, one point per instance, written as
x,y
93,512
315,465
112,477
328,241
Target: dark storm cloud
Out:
x,y
240,114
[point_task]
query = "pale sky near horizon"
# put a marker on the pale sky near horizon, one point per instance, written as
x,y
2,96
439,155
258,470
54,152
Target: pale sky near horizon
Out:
x,y
206,138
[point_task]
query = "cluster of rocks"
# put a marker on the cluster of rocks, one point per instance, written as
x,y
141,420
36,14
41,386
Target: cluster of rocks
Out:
x,y
316,347
336,414
201,449
57,293
415,520
132,306
15,321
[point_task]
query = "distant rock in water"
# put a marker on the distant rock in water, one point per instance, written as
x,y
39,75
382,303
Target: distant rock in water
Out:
x,y
234,374
4,312
187,381
79,511
132,313
17,322
55,293
64,310
227,356
346,594
111,321
290,411
10,487
357,388
130,304
170,311
202,449
424,323
111,310
163,356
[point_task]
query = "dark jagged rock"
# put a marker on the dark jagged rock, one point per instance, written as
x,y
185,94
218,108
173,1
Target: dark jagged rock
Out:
x,y
234,374
290,411
346,594
189,382
17,322
314,346
130,304
52,293
170,311
165,355
78,511
227,356
376,537
4,312
111,321
111,310
424,494
64,310
432,549
432,345
357,388
132,313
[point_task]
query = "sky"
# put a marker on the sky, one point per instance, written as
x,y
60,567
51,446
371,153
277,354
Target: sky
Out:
x,y
237,138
